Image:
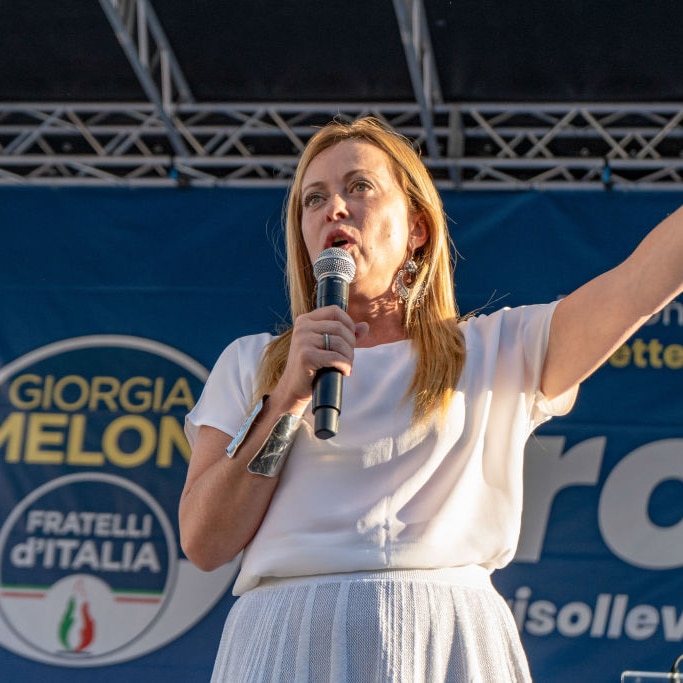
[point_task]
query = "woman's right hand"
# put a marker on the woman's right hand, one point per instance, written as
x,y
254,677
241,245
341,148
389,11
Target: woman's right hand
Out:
x,y
307,353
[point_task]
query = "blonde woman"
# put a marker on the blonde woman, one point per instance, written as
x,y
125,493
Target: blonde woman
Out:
x,y
367,556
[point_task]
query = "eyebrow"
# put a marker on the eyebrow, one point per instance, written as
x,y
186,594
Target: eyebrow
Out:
x,y
346,177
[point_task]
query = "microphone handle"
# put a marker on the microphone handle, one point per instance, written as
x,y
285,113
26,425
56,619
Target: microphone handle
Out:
x,y
327,383
327,398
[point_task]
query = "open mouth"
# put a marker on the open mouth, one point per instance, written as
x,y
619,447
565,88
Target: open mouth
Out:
x,y
339,242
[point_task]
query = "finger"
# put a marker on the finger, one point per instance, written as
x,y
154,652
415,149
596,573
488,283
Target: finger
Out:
x,y
332,313
361,330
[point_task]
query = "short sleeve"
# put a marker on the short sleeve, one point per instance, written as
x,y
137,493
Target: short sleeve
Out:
x,y
544,408
506,352
228,394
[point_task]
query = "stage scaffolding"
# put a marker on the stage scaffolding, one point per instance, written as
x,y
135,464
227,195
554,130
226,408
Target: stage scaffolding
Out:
x,y
171,139
475,146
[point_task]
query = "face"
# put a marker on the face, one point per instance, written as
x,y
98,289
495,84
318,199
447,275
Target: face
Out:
x,y
351,200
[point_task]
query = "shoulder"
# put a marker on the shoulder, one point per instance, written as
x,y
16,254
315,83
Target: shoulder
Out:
x,y
251,344
519,335
509,321
505,350
244,352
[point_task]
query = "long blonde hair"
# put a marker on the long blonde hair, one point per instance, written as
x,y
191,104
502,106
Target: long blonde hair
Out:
x,y
433,324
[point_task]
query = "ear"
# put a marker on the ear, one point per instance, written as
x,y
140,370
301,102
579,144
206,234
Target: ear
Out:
x,y
419,233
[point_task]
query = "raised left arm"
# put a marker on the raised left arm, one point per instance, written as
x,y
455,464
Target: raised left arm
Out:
x,y
593,321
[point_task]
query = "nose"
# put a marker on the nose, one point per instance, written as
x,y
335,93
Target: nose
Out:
x,y
336,208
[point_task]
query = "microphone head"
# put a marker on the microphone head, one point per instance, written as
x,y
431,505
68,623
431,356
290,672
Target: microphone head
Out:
x,y
334,261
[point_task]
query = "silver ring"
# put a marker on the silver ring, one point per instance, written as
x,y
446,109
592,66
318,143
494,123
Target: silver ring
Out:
x,y
326,341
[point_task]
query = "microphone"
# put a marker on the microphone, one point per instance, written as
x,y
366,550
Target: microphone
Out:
x,y
334,269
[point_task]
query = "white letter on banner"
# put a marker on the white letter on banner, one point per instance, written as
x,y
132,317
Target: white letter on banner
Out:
x,y
623,511
547,470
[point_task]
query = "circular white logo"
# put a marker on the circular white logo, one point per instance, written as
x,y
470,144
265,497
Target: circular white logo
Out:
x,y
91,435
81,555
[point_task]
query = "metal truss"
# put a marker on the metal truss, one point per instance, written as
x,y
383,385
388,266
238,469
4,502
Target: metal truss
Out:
x,y
173,140
146,46
412,23
478,146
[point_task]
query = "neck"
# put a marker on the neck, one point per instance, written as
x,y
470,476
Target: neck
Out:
x,y
384,316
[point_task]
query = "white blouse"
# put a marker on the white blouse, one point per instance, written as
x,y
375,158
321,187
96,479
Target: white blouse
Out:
x,y
382,494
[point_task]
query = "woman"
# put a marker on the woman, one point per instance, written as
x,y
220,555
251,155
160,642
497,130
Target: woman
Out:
x,y
367,556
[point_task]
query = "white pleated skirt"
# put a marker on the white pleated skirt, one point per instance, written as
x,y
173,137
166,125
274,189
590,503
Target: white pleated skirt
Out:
x,y
405,626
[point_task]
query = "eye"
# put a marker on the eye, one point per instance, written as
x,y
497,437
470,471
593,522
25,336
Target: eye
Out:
x,y
312,199
361,185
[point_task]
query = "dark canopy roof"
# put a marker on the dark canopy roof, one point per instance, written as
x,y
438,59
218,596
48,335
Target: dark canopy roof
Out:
x,y
350,50
495,93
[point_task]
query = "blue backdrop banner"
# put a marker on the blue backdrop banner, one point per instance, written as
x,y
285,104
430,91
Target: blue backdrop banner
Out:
x,y
114,305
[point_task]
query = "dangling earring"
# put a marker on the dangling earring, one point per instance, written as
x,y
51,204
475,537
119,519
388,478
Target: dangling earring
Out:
x,y
405,281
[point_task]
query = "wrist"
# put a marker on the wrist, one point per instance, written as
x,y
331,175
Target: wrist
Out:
x,y
281,401
269,459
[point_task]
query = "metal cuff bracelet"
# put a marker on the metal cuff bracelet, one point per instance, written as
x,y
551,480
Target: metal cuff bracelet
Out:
x,y
270,458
